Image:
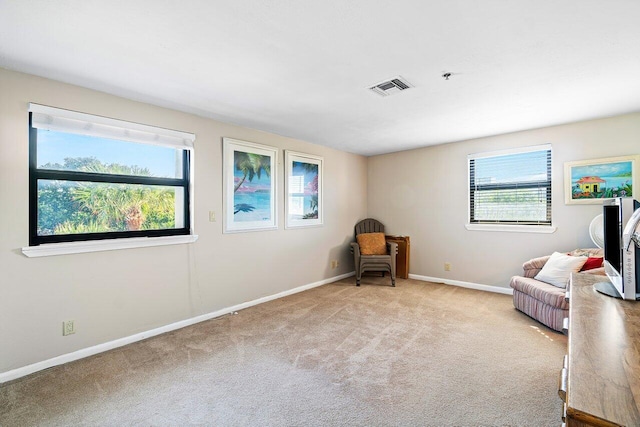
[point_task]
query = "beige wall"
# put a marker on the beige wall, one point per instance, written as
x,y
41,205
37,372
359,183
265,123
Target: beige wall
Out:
x,y
115,294
110,295
423,194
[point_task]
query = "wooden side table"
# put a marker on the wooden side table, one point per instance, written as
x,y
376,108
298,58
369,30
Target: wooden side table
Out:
x,y
402,260
599,382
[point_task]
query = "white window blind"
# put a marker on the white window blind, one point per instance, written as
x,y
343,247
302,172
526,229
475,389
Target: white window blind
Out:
x,y
60,120
511,187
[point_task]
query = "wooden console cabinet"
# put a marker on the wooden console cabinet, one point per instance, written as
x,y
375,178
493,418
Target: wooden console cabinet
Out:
x,y
600,380
404,250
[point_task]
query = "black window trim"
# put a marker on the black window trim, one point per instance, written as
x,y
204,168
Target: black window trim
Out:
x,y
36,174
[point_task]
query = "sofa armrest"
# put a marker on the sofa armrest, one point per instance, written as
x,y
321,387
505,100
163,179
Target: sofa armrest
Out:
x,y
534,265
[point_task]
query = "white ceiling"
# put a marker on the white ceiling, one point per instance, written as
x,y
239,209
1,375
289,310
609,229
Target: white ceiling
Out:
x,y
302,68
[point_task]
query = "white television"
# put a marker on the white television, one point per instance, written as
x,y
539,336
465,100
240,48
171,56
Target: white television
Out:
x,y
621,257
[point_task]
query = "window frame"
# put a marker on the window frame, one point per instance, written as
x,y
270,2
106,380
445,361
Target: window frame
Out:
x,y
545,226
36,174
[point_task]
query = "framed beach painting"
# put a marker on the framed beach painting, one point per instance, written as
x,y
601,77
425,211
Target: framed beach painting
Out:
x,y
250,186
303,189
591,181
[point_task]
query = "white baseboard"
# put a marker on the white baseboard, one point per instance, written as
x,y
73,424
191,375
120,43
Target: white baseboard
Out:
x,y
470,285
100,348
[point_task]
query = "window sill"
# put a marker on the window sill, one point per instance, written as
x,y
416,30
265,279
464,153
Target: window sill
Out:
x,y
545,229
52,249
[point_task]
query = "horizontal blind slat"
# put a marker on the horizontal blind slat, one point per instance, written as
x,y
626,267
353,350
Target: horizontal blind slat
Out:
x,y
513,188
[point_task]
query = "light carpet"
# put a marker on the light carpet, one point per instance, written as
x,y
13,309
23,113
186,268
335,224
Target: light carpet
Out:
x,y
419,354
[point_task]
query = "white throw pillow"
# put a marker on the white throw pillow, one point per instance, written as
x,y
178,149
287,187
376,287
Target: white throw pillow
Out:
x,y
558,269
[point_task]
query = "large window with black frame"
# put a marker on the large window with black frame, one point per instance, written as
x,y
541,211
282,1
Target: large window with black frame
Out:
x,y
94,178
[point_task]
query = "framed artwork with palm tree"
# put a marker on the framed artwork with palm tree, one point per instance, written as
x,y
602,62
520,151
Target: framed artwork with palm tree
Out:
x,y
250,186
303,189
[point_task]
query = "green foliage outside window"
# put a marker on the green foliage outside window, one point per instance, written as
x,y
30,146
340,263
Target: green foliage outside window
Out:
x,y
83,207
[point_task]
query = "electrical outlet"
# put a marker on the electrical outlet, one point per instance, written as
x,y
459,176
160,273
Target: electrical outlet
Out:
x,y
447,266
212,216
334,264
68,328
337,263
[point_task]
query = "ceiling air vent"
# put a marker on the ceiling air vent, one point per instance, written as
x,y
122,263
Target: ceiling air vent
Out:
x,y
389,87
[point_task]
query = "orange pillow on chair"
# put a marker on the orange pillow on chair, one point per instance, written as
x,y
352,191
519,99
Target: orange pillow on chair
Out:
x,y
372,243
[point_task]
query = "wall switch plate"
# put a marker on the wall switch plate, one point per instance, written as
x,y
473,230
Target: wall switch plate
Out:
x,y
68,328
212,216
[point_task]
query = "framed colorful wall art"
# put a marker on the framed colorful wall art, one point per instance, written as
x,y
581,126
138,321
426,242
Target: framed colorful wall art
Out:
x,y
591,181
250,186
304,204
